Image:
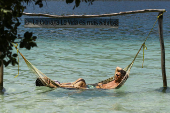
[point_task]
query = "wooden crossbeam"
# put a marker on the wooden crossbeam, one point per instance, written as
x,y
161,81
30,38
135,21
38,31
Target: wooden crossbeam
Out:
x,y
92,16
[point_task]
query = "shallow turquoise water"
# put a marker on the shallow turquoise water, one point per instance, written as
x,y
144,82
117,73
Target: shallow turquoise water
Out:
x,y
92,54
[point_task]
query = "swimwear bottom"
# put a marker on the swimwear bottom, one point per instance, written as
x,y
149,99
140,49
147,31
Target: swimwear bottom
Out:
x,y
91,87
57,82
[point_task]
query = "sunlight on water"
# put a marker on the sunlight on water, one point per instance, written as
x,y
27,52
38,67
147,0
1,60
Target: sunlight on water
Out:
x,y
93,54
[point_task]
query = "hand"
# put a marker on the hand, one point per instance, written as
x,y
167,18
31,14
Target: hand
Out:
x,y
99,85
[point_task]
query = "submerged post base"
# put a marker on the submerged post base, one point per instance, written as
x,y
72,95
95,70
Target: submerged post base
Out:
x,y
2,90
164,89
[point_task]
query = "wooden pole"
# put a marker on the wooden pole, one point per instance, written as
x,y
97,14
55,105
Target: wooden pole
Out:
x,y
1,74
160,23
1,66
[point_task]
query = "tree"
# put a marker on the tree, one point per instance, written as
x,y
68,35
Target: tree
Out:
x,y
10,12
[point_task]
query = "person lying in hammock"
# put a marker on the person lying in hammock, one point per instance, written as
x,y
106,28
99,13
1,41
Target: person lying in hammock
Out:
x,y
81,84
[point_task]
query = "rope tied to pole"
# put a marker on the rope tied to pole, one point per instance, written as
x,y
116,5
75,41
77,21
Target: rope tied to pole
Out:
x,y
144,48
128,68
144,45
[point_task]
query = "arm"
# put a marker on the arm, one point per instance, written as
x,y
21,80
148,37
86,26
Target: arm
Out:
x,y
117,70
99,85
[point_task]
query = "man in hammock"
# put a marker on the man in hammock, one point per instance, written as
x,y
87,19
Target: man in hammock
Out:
x,y
81,84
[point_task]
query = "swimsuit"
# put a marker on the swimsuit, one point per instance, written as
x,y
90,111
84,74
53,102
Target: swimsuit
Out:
x,y
57,82
91,86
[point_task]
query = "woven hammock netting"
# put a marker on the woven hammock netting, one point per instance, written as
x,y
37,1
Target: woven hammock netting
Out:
x,y
42,77
45,80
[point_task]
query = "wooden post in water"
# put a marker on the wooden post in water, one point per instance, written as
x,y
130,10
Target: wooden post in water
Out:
x,y
1,66
160,23
1,74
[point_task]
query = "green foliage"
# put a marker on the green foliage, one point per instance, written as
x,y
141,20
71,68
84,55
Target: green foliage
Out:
x,y
10,11
77,2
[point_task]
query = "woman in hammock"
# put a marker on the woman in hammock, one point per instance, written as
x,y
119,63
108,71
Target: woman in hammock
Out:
x,y
81,84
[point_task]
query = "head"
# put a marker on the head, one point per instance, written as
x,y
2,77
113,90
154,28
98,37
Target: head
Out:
x,y
38,82
119,75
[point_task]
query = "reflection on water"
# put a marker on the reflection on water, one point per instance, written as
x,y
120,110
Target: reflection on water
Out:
x,y
164,89
2,91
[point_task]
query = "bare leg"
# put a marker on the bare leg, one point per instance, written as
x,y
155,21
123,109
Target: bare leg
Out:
x,y
79,83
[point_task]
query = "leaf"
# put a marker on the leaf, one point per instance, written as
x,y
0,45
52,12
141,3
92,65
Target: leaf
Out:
x,y
28,35
14,61
69,1
34,38
28,47
14,55
33,44
21,44
6,63
39,2
17,24
77,2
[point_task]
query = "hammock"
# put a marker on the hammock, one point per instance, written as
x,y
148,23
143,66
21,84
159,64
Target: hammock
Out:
x,y
42,77
128,68
45,80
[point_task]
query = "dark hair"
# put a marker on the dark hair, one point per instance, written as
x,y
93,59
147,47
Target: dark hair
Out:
x,y
38,82
123,73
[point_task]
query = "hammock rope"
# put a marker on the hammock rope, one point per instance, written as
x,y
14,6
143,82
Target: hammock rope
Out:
x,y
45,80
17,56
128,68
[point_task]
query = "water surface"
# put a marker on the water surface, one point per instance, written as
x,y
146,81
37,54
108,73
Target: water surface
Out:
x,y
66,54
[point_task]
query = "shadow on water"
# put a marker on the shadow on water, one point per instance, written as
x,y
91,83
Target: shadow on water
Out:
x,y
62,92
2,91
44,91
164,89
